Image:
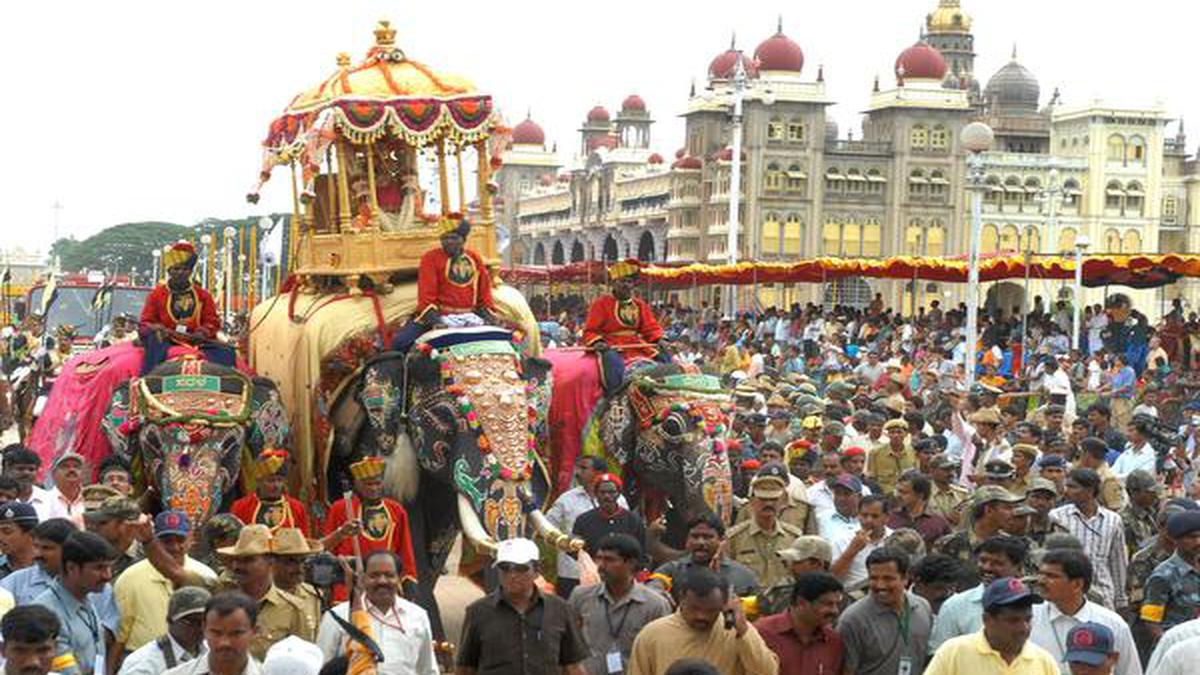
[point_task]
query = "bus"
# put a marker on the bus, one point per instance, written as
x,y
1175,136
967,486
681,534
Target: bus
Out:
x,y
74,304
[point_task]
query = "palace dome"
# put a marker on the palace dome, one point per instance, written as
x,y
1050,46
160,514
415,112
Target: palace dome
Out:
x,y
724,65
920,62
779,52
633,103
598,114
528,133
1013,87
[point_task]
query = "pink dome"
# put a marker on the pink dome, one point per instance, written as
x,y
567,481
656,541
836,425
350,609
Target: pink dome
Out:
x,y
725,64
528,133
633,103
779,52
920,62
687,162
598,114
655,159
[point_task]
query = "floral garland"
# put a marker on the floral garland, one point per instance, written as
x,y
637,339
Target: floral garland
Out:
x,y
713,424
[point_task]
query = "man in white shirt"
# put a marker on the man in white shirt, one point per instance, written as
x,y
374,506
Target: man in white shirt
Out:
x,y
850,549
229,620
183,641
1139,454
66,497
399,627
22,465
1065,576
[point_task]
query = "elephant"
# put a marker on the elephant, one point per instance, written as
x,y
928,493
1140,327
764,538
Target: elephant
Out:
x,y
188,426
460,419
667,430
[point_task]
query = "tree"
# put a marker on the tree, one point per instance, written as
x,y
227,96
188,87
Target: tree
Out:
x,y
118,249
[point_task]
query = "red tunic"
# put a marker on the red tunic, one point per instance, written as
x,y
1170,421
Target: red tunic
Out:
x,y
453,286
395,538
622,323
158,310
248,510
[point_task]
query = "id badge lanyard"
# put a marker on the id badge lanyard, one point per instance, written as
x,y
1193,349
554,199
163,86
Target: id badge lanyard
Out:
x,y
905,624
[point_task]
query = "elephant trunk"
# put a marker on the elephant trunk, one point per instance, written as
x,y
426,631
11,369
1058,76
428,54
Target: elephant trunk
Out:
x,y
472,528
552,534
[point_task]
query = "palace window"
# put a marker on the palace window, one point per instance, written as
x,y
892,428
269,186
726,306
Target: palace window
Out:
x,y
875,182
1071,193
775,129
938,186
1131,242
770,234
774,177
913,235
1170,209
1031,240
1116,148
1114,196
831,238
935,239
989,240
1136,152
796,179
919,137
918,185
939,138
793,235
795,132
1112,241
855,181
1135,198
1066,240
834,180
872,239
1009,238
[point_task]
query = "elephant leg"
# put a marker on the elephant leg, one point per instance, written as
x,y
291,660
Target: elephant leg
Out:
x,y
427,526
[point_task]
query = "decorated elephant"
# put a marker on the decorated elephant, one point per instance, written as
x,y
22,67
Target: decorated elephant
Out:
x,y
665,431
460,418
188,425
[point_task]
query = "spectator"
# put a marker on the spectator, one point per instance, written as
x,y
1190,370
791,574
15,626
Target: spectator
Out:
x,y
1003,646
498,638
704,537
400,628
1120,391
913,492
1042,497
1064,577
806,554
293,656
614,612
66,500
229,621
847,493
609,517
820,493
568,507
8,489
935,578
221,531
30,637
17,522
802,636
700,629
962,614
183,641
1099,531
143,592
1090,650
1138,454
22,465
280,614
850,553
115,473
1186,633
86,568
48,539
1142,565
887,631
1171,596
991,510
753,542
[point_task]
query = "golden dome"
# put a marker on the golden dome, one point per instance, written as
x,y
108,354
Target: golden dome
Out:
x,y
947,18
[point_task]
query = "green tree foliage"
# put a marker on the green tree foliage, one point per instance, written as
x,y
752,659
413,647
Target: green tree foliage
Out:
x,y
118,249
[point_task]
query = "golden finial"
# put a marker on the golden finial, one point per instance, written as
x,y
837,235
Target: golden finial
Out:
x,y
385,35
343,60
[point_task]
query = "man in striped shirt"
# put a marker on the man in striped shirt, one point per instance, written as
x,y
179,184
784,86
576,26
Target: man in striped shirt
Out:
x,y
1100,532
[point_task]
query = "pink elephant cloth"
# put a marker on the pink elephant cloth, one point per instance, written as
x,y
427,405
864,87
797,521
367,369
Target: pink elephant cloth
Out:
x,y
574,397
71,419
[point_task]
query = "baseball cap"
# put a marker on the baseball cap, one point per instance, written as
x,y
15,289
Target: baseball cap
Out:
x,y
1008,591
943,462
1089,643
171,523
517,551
1052,461
805,547
994,493
293,656
187,600
998,468
18,512
64,457
1024,510
848,481
94,495
114,508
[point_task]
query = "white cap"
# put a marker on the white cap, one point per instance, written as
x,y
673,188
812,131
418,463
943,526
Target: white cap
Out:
x,y
293,656
517,551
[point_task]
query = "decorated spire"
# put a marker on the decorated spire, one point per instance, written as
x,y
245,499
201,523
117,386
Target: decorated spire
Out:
x,y
821,73
385,35
779,25
875,89
1014,52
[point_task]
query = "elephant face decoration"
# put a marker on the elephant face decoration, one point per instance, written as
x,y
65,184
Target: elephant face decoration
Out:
x,y
189,422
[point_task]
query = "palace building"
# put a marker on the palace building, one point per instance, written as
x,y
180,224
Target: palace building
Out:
x,y
1057,172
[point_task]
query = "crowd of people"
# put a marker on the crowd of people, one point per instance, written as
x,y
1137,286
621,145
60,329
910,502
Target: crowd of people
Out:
x,y
893,516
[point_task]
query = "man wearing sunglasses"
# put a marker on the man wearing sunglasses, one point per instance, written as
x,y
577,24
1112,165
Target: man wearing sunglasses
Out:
x,y
516,629
183,641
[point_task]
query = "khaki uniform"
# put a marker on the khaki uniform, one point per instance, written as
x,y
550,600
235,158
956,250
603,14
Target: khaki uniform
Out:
x,y
885,466
755,548
796,513
307,595
1112,494
947,501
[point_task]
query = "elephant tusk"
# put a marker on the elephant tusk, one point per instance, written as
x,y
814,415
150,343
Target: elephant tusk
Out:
x,y
552,534
473,529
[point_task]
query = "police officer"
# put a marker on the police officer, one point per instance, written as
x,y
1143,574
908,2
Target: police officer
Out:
x,y
754,542
1173,590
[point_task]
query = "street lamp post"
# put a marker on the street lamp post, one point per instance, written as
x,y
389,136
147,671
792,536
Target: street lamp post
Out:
x,y
735,173
156,254
1081,244
976,138
1050,198
206,275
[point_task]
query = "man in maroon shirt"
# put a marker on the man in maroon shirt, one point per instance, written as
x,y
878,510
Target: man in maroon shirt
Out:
x,y
802,636
912,493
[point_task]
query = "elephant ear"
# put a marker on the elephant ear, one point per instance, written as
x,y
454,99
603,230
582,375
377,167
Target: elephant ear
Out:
x,y
380,395
270,427
538,374
118,424
618,429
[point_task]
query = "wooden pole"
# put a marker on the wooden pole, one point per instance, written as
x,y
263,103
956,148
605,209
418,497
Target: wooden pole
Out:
x,y
462,190
294,226
331,208
344,214
371,180
443,180
485,174
241,269
252,258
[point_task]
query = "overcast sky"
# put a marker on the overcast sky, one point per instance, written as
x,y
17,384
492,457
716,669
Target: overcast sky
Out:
x,y
138,110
